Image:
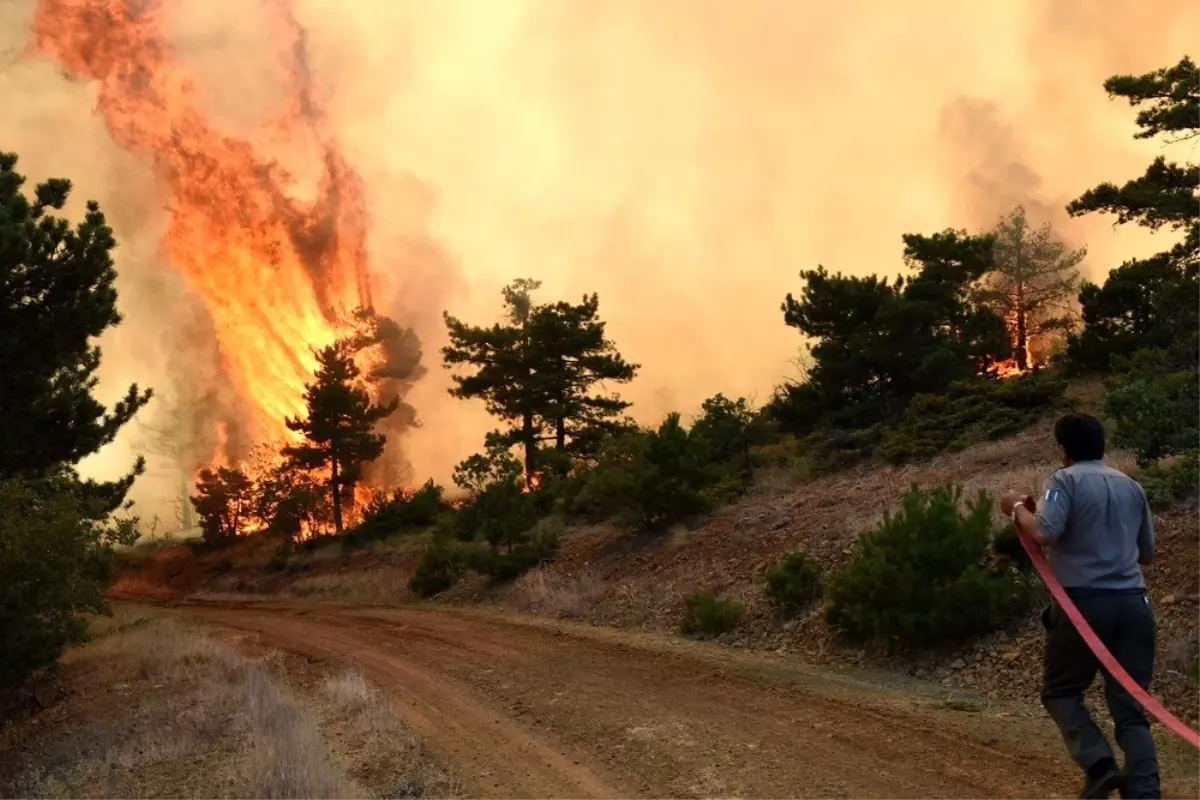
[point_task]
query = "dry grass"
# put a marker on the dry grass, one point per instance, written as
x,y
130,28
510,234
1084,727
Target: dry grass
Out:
x,y
376,747
380,584
555,595
154,707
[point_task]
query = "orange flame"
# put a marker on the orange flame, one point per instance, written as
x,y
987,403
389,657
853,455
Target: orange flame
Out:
x,y
278,275
532,483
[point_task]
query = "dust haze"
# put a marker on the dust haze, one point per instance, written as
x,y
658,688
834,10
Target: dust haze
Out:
x,y
683,158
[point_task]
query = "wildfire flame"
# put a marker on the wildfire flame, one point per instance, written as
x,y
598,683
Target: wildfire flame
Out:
x,y
1034,356
278,275
532,483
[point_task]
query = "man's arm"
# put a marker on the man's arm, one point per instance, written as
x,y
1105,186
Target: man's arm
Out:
x,y
1027,521
1046,526
1145,540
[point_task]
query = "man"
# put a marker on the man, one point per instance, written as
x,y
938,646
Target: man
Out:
x,y
1097,524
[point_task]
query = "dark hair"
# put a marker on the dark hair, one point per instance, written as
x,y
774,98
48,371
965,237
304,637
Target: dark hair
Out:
x,y
1081,436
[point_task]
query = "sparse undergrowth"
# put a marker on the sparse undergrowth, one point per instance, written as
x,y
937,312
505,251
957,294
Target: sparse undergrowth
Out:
x,y
968,413
154,707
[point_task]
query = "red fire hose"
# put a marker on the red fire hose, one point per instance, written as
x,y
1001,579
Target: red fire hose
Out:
x,y
1114,668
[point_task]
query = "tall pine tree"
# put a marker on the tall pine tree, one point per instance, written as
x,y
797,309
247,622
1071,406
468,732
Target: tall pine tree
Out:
x,y
1033,283
56,297
339,429
1144,322
538,369
1151,302
573,357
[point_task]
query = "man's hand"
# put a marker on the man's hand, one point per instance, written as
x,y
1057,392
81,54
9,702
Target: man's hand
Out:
x,y
1009,501
1025,519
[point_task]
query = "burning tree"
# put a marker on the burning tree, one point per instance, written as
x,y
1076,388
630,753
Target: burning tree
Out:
x,y
225,500
1033,283
339,429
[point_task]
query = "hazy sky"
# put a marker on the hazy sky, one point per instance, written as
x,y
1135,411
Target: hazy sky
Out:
x,y
683,158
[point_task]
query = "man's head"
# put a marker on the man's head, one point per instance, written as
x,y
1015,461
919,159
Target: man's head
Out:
x,y
1080,437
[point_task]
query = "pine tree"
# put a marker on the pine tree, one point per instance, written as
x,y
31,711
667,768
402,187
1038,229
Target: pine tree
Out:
x,y
339,429
56,536
1033,283
877,343
1151,302
504,371
56,297
537,371
1143,324
573,356
224,501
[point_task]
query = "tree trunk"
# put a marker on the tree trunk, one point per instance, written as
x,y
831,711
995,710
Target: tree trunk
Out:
x,y
337,496
185,510
530,443
560,429
1022,331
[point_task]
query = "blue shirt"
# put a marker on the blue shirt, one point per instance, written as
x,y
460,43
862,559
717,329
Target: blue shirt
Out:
x,y
1100,527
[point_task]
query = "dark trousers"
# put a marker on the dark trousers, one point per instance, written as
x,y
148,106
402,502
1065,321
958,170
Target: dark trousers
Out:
x,y
1125,623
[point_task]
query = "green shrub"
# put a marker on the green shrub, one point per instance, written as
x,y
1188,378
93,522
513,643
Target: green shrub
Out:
x,y
651,479
794,583
834,449
920,576
503,513
542,544
709,615
55,564
730,428
441,565
1006,542
970,412
1173,484
1154,414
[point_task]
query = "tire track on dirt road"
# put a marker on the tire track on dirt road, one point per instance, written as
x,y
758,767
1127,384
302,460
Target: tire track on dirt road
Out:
x,y
526,709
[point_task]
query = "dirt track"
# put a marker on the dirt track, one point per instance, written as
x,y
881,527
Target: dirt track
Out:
x,y
525,709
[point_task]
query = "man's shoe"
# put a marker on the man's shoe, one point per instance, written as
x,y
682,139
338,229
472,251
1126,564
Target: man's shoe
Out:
x,y
1102,782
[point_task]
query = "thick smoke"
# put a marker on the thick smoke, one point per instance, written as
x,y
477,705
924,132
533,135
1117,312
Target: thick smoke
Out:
x,y
683,158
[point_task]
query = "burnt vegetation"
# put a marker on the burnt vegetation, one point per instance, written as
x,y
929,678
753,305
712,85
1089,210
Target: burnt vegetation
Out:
x,y
976,340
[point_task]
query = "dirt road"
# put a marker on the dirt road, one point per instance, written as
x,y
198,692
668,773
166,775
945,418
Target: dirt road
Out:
x,y
529,709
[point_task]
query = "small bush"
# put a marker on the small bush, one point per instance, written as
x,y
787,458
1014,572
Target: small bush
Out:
x,y
730,428
796,582
1006,542
709,615
970,412
651,479
542,544
920,577
1154,414
1173,483
501,515
441,565
55,563
833,449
